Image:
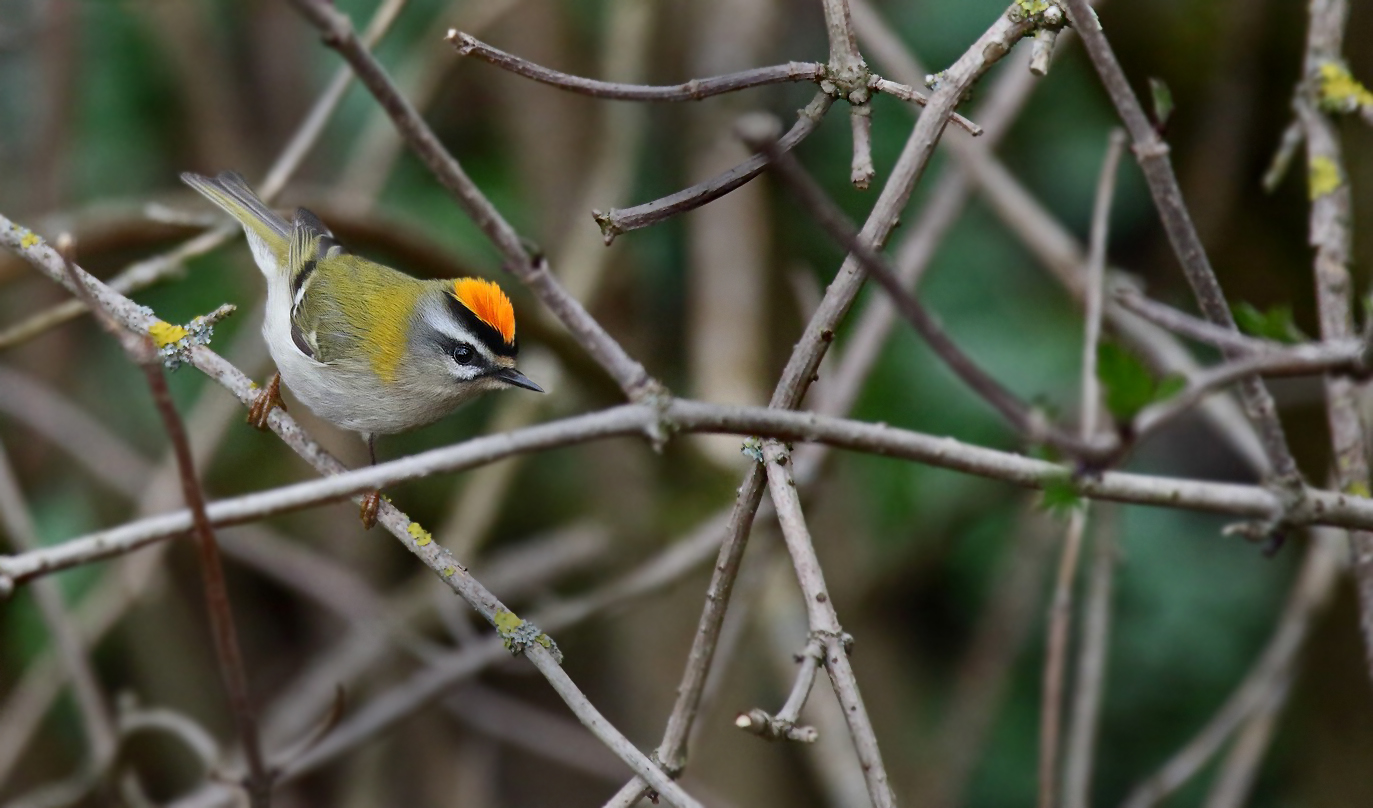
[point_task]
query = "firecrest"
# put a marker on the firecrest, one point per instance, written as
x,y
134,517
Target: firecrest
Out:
x,y
364,346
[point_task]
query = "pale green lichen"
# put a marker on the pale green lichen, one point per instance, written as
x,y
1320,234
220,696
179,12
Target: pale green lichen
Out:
x,y
174,342
1324,178
1358,489
519,635
1339,91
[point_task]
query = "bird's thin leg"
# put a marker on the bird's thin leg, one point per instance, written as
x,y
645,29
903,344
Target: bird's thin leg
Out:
x,y
372,502
266,399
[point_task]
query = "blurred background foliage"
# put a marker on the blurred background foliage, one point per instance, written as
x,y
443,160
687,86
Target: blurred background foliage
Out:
x,y
104,102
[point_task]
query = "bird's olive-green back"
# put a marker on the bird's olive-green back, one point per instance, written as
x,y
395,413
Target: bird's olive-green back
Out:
x,y
354,308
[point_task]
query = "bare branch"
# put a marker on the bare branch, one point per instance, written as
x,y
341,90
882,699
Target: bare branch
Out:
x,y
1309,596
909,94
66,638
623,220
1061,606
1330,234
1055,659
145,273
1152,154
1180,322
783,725
760,132
800,370
139,320
694,90
1090,675
530,269
143,353
824,621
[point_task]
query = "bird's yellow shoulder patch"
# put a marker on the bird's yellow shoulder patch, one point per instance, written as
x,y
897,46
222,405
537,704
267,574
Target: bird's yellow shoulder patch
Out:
x,y
488,301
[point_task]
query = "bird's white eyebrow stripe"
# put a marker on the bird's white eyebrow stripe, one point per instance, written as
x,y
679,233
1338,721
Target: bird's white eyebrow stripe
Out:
x,y
447,327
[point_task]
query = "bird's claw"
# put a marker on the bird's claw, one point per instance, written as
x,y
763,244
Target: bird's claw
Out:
x,y
266,399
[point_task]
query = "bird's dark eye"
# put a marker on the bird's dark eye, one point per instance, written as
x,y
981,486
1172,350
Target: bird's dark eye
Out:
x,y
464,355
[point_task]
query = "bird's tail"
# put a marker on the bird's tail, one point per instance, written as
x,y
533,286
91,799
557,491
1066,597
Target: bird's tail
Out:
x,y
267,232
231,192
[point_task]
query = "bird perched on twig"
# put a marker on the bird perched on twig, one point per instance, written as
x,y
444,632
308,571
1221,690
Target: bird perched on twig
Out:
x,y
364,346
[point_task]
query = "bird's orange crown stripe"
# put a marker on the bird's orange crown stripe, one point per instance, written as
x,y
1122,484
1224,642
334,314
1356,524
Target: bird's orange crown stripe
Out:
x,y
488,301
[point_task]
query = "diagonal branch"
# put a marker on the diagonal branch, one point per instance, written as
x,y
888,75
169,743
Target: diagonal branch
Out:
x,y
147,272
141,350
1152,154
622,220
694,90
519,633
824,620
516,255
1330,233
800,370
760,133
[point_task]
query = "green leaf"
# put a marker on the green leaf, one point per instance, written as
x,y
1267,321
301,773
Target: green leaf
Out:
x,y
1060,496
1275,324
1163,102
1129,385
1169,386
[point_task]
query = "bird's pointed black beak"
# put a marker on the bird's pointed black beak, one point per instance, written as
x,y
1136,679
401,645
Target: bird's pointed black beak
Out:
x,y
515,378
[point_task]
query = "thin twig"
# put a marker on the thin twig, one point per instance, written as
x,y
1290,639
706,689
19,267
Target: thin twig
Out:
x,y
18,524
1179,322
622,220
1247,501
1331,235
909,94
516,257
694,90
1302,360
848,75
1061,605
1240,768
760,132
143,353
1090,675
1055,659
800,370
145,273
823,621
783,725
1309,596
138,320
1152,154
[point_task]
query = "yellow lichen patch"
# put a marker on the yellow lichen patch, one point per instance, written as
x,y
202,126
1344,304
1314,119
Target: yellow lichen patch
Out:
x,y
29,239
506,623
449,572
421,536
1340,91
1031,7
1358,489
164,333
1325,177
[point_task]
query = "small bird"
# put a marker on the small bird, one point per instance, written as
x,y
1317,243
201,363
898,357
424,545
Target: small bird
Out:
x,y
366,347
